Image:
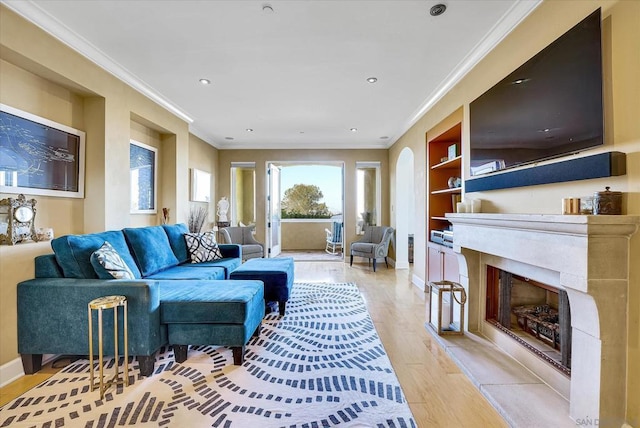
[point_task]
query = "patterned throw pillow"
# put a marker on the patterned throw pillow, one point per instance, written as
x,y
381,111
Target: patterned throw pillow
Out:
x,y
202,247
109,259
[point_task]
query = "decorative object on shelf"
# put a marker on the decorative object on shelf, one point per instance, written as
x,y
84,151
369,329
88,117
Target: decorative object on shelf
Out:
x,y
166,215
586,205
607,202
223,208
461,207
197,216
444,159
446,307
474,205
17,220
44,233
455,198
454,182
452,151
42,157
570,206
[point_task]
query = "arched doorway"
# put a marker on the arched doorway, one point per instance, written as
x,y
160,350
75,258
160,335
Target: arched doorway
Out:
x,y
405,207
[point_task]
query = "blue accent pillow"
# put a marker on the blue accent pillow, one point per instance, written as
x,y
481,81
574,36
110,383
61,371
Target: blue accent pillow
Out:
x,y
202,247
108,264
73,253
175,233
151,249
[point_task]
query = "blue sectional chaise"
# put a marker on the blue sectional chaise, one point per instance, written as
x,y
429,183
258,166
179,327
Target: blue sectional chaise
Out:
x,y
171,301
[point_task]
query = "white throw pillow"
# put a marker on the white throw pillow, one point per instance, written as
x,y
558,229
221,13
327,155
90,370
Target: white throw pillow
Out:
x,y
110,260
202,247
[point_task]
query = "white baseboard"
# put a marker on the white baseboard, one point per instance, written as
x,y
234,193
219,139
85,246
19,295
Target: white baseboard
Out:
x,y
13,370
418,282
404,265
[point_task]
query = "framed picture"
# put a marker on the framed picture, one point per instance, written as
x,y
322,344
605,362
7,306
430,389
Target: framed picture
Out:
x,y
143,175
200,186
39,156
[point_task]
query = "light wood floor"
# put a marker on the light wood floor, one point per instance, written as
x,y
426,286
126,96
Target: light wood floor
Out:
x,y
439,394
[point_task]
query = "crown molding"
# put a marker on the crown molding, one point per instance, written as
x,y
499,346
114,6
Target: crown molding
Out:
x,y
36,15
514,16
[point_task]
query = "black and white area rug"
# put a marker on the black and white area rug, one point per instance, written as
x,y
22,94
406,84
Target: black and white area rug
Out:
x,y
321,365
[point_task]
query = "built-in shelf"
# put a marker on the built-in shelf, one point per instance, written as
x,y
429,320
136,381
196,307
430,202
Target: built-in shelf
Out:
x,y
454,163
451,190
442,168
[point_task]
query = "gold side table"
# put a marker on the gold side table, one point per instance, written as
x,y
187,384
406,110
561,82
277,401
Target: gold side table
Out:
x,y
100,304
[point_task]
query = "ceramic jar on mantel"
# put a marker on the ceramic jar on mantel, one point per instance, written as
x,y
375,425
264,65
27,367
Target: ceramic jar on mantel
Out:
x,y
607,202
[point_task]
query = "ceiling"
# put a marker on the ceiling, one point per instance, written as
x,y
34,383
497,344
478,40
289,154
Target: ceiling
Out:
x,y
293,72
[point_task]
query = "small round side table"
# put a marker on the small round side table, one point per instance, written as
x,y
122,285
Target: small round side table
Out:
x,y
100,304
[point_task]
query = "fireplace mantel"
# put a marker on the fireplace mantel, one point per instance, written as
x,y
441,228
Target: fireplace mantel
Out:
x,y
588,256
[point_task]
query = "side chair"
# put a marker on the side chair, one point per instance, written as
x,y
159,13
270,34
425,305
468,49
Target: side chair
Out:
x,y
374,244
334,238
242,236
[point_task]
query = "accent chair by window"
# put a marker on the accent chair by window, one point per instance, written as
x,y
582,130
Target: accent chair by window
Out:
x,y
242,236
374,244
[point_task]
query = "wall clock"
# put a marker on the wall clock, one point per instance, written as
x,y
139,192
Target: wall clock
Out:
x,y
17,220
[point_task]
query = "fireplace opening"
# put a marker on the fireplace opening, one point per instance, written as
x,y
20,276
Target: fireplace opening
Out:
x,y
534,314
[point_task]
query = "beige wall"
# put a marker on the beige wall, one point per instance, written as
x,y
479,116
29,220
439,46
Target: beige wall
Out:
x,y
349,157
621,47
204,157
42,76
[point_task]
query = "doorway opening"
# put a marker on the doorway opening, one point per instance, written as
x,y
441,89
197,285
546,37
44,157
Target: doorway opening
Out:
x,y
404,210
305,205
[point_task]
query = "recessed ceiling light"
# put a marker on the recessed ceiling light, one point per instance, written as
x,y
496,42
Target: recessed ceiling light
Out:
x,y
205,81
372,79
437,9
267,8
228,138
353,129
302,132
519,81
384,137
249,129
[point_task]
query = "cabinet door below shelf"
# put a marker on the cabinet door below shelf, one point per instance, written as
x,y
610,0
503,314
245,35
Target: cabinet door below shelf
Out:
x,y
442,263
435,269
451,268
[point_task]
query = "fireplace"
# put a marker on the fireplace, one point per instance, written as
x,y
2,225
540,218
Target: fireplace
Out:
x,y
585,256
537,316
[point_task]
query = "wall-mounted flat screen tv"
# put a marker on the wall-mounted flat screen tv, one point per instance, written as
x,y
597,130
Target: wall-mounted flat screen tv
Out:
x,y
550,106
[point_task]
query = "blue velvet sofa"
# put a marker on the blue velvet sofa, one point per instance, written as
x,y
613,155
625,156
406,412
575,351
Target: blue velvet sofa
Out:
x,y
52,308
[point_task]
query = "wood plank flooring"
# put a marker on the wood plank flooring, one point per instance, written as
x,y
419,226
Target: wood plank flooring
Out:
x,y
439,394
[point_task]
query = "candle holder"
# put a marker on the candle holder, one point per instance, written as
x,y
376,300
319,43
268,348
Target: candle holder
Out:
x,y
446,307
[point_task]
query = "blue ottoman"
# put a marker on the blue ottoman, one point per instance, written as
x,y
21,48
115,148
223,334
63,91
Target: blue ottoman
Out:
x,y
276,274
224,313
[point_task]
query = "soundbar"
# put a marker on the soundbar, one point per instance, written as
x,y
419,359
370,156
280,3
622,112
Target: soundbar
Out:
x,y
600,165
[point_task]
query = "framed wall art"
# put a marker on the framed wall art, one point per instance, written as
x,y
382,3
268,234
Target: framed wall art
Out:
x,y
200,185
39,156
143,173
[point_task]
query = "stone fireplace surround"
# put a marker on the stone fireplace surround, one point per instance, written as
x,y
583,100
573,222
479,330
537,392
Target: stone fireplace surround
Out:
x,y
588,256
